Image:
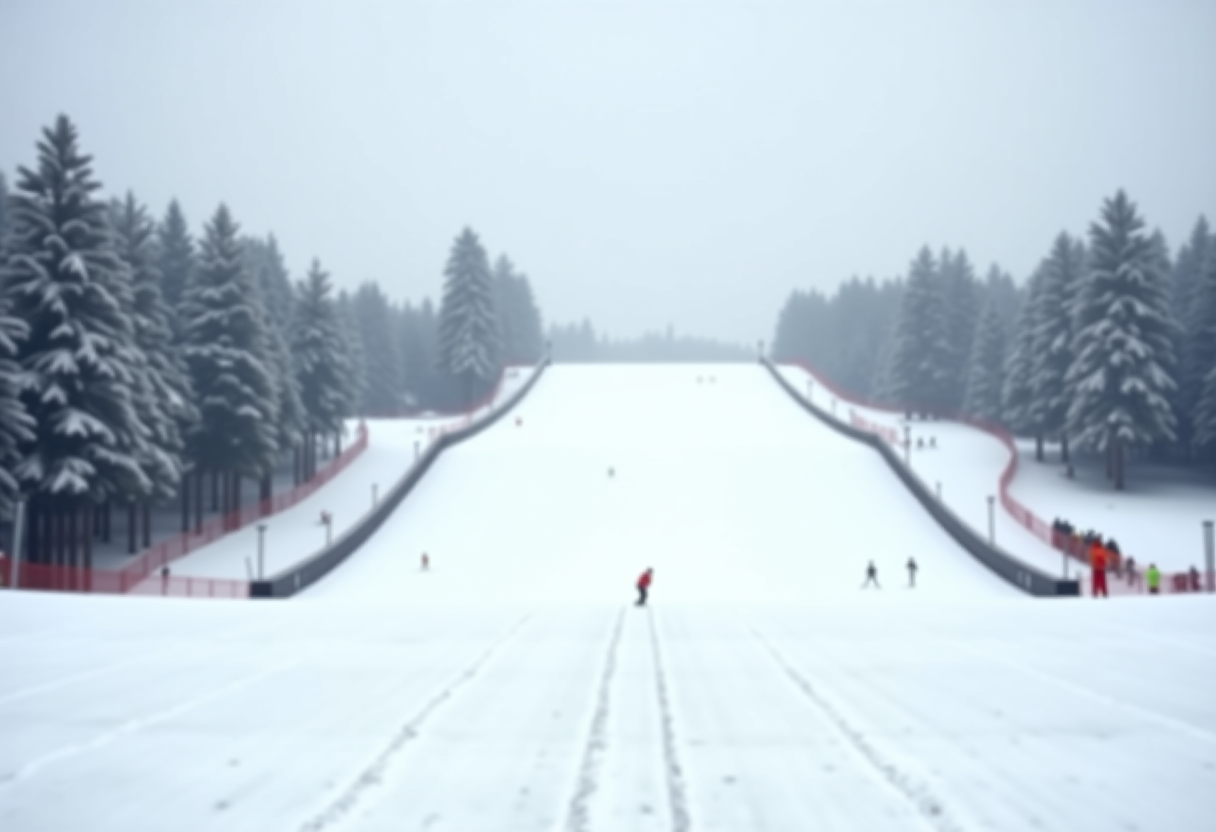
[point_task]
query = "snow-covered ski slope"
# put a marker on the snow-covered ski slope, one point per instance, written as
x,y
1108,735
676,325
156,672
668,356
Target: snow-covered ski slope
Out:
x,y
507,691
724,486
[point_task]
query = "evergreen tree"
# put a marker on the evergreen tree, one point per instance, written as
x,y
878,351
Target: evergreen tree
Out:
x,y
357,380
985,376
64,281
1205,415
265,263
4,220
918,372
226,350
1017,394
1201,358
176,256
1122,374
520,328
1052,356
289,427
383,395
469,348
16,426
316,343
164,398
961,304
1195,340
1000,291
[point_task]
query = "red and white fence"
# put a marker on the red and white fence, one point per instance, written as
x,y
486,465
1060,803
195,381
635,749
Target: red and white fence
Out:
x,y
1040,528
145,574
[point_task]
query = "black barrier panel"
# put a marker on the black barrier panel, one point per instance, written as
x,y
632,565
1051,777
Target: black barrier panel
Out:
x,y
290,581
1026,578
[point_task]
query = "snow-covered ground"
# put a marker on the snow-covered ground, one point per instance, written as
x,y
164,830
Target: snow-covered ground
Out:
x,y
1158,519
296,533
515,687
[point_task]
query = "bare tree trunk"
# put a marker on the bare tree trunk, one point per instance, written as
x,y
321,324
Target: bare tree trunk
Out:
x,y
225,499
88,546
185,486
236,494
33,551
132,521
107,516
215,490
1065,455
267,489
1120,461
200,482
73,550
146,511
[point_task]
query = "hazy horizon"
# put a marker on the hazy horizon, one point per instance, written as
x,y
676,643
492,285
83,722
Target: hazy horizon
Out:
x,y
646,164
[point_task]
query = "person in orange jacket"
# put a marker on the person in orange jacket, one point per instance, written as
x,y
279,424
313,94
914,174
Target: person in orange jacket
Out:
x,y
1097,562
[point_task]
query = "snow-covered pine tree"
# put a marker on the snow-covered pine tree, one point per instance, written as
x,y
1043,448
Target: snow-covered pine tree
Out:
x,y
164,397
16,425
226,353
1201,358
1017,394
1195,348
1062,273
1122,374
265,263
1000,291
357,380
1204,419
321,369
177,258
521,332
985,376
383,395
4,220
290,422
64,280
917,374
961,302
504,306
469,347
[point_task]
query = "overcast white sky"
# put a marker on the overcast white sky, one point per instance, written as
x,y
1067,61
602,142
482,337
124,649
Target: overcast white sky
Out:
x,y
681,161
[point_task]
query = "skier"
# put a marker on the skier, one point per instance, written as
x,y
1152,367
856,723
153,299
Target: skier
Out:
x,y
912,567
611,472
426,562
1097,562
871,576
644,586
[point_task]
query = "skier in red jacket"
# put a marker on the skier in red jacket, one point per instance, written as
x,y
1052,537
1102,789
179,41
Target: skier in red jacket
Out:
x,y
644,586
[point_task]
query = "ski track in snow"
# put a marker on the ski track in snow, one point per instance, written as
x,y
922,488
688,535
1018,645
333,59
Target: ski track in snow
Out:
x,y
577,820
1169,723
927,805
373,775
131,726
677,794
111,667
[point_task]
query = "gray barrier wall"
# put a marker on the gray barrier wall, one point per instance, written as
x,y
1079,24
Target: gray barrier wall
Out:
x,y
294,579
1026,578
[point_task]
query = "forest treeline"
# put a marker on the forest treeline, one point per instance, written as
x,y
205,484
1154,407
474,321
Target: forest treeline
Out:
x,y
1109,347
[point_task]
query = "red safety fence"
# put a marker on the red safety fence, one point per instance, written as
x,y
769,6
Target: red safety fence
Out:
x,y
167,551
39,576
1040,528
145,574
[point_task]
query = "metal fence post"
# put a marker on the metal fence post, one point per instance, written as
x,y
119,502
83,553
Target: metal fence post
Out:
x,y
1209,545
992,520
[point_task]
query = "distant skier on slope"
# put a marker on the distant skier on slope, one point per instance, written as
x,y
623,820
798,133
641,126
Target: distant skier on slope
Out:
x,y
912,567
871,576
644,586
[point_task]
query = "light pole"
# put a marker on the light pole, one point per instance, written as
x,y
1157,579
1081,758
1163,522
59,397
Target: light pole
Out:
x,y
1209,545
18,537
907,444
375,493
992,519
261,551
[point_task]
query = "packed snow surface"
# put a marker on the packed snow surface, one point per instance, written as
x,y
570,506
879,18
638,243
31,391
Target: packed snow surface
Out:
x,y
514,686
